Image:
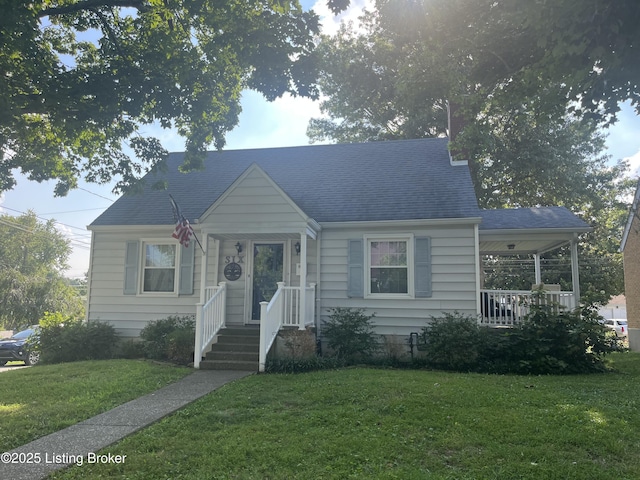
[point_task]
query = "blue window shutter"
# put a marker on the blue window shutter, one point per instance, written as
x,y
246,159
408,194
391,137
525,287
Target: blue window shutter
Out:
x,y
131,268
355,269
187,260
422,267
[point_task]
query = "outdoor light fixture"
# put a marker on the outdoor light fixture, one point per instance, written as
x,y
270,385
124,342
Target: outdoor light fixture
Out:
x,y
297,245
239,248
511,246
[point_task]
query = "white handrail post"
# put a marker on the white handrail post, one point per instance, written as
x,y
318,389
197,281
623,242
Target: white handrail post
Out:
x,y
262,360
197,354
303,280
223,306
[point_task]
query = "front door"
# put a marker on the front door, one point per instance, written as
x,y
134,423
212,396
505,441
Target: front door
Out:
x,y
268,261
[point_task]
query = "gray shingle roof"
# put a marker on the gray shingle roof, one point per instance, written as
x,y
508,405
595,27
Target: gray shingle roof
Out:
x,y
395,180
531,218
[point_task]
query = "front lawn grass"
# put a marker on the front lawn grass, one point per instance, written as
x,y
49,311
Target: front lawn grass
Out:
x,y
405,424
43,399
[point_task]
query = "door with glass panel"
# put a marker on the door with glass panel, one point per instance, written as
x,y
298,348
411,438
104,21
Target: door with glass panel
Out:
x,y
268,262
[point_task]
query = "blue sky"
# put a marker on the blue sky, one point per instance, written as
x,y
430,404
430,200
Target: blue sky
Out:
x,y
262,125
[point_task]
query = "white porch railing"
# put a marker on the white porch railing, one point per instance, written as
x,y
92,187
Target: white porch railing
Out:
x,y
210,318
284,309
508,307
292,306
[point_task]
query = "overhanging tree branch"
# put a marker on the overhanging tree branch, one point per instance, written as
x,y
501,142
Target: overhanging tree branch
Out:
x,y
140,5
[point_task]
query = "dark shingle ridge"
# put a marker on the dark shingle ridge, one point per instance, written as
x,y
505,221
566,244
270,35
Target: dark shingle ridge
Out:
x,y
375,181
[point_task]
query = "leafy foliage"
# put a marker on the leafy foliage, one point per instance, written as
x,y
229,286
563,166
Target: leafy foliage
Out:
x,y
548,341
73,340
33,255
349,332
530,85
303,364
169,338
80,77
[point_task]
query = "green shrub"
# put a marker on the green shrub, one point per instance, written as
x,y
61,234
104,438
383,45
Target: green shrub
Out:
x,y
130,349
301,365
349,332
547,341
180,345
73,341
550,340
157,336
453,342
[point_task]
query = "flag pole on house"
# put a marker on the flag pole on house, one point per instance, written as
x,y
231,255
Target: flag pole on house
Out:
x,y
183,231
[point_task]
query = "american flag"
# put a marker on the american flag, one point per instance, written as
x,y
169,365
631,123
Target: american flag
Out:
x,y
183,230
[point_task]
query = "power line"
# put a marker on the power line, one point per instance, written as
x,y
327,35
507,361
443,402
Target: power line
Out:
x,y
78,243
48,219
96,194
73,211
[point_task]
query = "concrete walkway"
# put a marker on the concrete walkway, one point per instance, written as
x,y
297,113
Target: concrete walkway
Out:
x,y
79,443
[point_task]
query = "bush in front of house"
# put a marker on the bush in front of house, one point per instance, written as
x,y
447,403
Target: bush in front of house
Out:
x,y
453,342
70,340
547,341
553,341
170,338
302,365
349,333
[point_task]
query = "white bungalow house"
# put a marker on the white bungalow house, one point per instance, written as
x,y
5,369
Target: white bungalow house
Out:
x,y
288,233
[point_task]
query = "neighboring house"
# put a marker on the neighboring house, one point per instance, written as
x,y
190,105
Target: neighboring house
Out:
x,y
616,308
392,227
630,248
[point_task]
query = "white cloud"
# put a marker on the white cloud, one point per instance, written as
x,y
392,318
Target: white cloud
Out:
x,y
330,22
634,164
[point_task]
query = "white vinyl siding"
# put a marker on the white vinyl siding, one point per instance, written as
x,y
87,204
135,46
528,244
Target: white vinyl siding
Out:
x,y
453,273
254,204
107,301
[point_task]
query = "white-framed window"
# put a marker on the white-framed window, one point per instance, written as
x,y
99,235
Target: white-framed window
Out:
x,y
389,266
159,267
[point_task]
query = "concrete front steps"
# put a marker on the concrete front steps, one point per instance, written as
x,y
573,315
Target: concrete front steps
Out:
x,y
236,349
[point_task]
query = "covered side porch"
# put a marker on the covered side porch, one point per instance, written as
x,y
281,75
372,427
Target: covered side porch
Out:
x,y
524,236
255,281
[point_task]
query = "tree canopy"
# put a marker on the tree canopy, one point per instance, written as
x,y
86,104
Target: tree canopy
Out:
x,y
79,78
392,80
33,256
533,82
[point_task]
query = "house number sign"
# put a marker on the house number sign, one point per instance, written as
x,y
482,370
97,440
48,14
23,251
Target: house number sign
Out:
x,y
233,270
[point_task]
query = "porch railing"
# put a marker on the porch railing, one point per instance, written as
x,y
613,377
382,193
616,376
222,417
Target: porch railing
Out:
x,y
508,307
210,318
292,306
284,309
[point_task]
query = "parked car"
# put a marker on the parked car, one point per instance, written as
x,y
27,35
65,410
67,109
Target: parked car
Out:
x,y
18,347
618,325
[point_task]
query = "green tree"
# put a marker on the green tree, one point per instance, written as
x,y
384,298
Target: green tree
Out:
x,y
33,256
533,82
79,78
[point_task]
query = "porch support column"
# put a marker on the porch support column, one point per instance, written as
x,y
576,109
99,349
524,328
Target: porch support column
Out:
x,y
303,281
575,275
203,267
536,259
